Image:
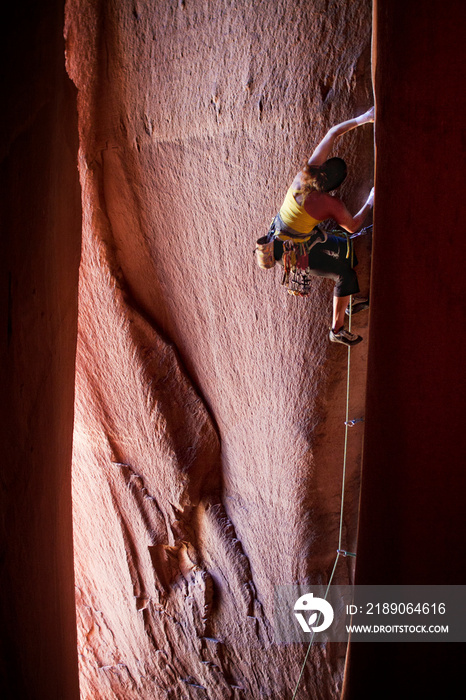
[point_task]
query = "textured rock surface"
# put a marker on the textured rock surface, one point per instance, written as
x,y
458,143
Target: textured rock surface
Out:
x,y
210,406
419,492
40,235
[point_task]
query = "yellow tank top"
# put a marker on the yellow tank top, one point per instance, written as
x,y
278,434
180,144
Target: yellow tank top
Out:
x,y
295,216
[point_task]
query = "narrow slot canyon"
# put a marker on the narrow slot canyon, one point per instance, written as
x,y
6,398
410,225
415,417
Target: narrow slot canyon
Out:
x,y
173,419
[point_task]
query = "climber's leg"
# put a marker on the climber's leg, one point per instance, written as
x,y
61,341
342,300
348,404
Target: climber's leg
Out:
x,y
329,260
340,304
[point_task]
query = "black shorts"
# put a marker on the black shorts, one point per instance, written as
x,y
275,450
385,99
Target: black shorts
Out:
x,y
329,259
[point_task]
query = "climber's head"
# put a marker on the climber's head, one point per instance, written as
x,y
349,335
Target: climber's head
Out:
x,y
333,173
322,178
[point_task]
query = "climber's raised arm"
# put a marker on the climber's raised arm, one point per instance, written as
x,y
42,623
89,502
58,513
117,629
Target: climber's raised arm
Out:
x,y
321,153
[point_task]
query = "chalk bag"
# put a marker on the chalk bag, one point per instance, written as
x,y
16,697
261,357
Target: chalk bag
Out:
x,y
264,253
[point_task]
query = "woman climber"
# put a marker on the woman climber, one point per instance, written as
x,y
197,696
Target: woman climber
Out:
x,y
303,249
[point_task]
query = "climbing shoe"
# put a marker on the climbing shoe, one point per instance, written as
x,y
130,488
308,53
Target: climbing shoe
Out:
x,y
344,337
357,304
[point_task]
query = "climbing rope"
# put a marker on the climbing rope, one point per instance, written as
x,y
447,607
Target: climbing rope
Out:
x,y
340,552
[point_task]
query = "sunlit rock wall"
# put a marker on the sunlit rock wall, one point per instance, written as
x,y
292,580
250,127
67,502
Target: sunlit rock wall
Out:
x,y
210,405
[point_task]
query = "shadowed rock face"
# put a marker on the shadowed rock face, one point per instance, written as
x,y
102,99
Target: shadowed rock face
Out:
x,y
209,404
412,523
40,236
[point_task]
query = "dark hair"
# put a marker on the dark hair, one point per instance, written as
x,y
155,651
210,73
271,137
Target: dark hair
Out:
x,y
323,178
335,172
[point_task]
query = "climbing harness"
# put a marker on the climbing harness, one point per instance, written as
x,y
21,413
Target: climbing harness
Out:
x,y
296,247
340,551
350,236
295,258
292,252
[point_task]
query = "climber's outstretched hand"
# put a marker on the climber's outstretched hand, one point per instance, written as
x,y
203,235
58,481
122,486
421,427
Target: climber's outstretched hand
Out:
x,y
367,117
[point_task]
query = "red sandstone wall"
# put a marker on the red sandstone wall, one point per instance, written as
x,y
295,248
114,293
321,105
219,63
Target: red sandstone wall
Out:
x,y
210,408
419,492
40,234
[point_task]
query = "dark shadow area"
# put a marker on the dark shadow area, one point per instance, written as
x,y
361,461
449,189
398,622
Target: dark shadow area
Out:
x,y
412,525
41,233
